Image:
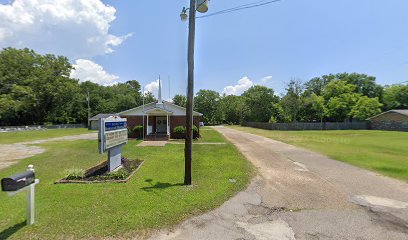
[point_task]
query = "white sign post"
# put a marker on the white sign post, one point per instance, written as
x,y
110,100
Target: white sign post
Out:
x,y
113,134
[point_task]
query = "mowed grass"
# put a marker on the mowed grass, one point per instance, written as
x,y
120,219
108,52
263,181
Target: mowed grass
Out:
x,y
24,136
384,152
154,198
207,135
210,135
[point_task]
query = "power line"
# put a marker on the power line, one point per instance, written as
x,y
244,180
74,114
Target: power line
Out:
x,y
241,7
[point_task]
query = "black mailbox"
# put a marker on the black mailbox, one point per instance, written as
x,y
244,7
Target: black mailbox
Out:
x,y
18,181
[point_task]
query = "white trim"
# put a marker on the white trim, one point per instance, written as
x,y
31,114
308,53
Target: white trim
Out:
x,y
168,125
132,109
146,106
147,129
158,109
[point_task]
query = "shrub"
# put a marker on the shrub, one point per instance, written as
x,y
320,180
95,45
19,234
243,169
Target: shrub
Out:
x,y
180,130
195,132
138,129
136,132
120,174
74,174
273,120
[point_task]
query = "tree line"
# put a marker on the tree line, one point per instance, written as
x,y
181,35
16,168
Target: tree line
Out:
x,y
334,98
38,89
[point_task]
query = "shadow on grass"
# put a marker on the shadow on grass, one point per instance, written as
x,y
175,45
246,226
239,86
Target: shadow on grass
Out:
x,y
5,234
160,185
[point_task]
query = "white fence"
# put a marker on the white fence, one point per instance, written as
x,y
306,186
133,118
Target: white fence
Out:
x,y
39,127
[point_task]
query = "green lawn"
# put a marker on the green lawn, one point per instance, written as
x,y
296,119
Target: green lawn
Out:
x,y
153,198
208,135
384,152
24,136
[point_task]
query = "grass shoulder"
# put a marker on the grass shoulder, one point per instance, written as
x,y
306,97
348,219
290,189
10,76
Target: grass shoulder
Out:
x,y
32,135
384,152
154,198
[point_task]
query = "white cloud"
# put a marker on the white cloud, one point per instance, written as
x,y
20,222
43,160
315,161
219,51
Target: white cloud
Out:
x,y
243,84
86,70
266,79
152,87
73,28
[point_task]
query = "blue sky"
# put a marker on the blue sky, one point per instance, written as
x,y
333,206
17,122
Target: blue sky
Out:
x,y
289,39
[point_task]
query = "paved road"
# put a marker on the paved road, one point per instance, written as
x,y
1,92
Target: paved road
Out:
x,y
10,153
302,195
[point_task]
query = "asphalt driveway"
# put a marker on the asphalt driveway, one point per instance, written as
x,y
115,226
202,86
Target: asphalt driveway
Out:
x,y
299,194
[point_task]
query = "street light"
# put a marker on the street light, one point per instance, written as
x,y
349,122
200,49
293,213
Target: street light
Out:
x,y
183,14
200,6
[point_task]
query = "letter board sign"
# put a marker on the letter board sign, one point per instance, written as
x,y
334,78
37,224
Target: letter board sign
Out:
x,y
112,133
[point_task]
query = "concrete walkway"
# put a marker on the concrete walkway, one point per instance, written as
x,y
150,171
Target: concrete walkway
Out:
x,y
10,153
302,195
152,144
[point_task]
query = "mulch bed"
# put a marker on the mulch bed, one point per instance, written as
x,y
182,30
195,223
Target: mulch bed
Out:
x,y
100,174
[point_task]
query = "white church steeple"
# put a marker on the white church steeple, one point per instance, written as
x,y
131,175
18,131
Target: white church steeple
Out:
x,y
160,93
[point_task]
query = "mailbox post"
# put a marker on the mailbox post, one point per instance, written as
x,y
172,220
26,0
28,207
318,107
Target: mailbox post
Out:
x,y
23,182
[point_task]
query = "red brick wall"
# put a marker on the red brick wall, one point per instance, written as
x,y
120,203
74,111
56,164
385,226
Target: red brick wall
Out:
x,y
138,121
174,122
181,121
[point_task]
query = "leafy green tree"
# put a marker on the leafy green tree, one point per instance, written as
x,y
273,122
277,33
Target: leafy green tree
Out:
x,y
339,108
291,102
317,84
396,97
37,89
366,107
149,97
180,100
206,102
232,109
336,88
260,102
317,104
365,85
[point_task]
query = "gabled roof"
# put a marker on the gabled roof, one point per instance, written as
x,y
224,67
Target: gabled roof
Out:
x,y
102,115
158,106
399,111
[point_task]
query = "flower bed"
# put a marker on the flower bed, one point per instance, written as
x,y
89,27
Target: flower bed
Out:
x,y
100,174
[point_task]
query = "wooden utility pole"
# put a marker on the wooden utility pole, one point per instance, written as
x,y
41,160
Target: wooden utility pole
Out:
x,y
188,153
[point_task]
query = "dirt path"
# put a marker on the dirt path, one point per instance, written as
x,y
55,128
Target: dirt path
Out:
x,y
302,195
10,153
